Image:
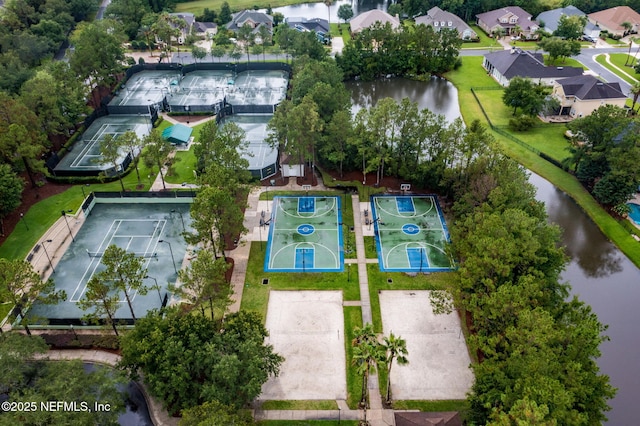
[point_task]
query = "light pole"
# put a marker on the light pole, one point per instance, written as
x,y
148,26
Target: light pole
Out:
x,y
181,219
73,330
64,214
44,247
348,272
172,258
84,196
24,221
157,287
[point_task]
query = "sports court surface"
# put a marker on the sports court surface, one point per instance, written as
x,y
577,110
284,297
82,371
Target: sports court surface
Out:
x,y
439,362
306,328
260,154
411,234
260,87
136,227
201,88
305,235
147,87
85,153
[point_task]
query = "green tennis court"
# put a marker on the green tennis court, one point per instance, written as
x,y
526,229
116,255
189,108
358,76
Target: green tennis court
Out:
x,y
411,234
305,235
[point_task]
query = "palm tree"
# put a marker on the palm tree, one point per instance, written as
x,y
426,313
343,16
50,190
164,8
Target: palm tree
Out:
x,y
634,91
367,353
627,27
395,348
328,3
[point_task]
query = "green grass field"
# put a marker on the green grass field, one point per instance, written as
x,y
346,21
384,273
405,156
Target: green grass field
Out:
x,y
352,319
256,295
472,74
236,5
300,405
484,41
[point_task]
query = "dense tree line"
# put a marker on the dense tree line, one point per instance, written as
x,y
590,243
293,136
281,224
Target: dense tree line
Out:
x,y
605,153
380,50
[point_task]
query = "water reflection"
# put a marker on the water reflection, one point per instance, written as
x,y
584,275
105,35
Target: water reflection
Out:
x,y
319,10
437,94
605,279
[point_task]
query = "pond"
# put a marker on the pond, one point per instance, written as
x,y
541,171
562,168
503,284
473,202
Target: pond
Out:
x,y
319,10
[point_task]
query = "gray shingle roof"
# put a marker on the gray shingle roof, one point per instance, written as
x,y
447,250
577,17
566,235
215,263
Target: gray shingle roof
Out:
x,y
238,19
315,24
435,14
551,18
492,17
587,87
519,63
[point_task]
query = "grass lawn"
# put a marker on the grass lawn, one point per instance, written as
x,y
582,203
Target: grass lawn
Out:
x,y
615,43
566,62
236,5
601,59
300,405
471,73
447,405
484,41
548,138
184,165
352,319
335,31
256,295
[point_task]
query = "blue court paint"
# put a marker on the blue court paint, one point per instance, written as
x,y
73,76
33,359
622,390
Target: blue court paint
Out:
x,y
405,205
304,258
410,229
417,258
306,229
306,205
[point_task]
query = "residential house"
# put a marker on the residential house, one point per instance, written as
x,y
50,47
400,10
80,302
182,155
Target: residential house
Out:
x,y
611,19
551,19
508,19
252,18
303,24
503,65
185,29
438,19
205,30
367,19
580,96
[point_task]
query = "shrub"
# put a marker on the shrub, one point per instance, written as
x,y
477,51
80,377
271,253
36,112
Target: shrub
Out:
x,y
522,123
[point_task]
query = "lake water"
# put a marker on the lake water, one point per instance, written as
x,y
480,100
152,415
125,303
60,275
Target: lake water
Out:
x,y
319,10
598,272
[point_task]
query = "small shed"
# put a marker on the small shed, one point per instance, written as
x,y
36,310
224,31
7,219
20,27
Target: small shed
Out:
x,y
178,134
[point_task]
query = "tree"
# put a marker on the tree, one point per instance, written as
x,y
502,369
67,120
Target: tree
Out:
x,y
104,303
634,91
130,13
265,38
131,143
22,286
345,12
212,413
524,94
395,349
367,353
627,28
26,381
222,147
156,152
124,272
11,186
198,52
328,3
225,14
188,360
559,48
570,27
110,154
204,282
246,38
218,52
98,54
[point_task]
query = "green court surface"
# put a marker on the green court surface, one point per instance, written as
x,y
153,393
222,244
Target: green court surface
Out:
x,y
305,235
150,228
411,234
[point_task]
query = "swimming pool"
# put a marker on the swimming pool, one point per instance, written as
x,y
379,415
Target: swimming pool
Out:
x,y
634,214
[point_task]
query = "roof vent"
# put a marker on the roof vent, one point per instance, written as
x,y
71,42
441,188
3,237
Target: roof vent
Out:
x,y
600,83
560,68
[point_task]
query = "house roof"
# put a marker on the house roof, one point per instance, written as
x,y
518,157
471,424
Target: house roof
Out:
x,y
587,87
448,418
551,18
202,27
521,63
612,18
238,19
435,14
367,19
315,24
189,18
178,133
492,18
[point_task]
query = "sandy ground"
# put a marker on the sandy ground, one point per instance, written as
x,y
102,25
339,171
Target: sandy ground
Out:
x,y
306,328
438,359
